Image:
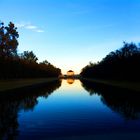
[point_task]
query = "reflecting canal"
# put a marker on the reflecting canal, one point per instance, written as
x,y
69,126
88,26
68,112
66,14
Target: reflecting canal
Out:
x,y
70,109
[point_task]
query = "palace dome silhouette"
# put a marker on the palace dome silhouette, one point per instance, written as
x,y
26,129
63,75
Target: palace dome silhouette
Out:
x,y
70,73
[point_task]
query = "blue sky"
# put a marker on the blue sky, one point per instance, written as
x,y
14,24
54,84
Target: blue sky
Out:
x,y
71,33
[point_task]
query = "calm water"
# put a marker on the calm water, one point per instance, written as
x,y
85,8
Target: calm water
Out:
x,y
70,110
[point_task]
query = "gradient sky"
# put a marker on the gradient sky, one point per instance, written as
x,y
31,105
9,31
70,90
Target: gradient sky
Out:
x,y
71,33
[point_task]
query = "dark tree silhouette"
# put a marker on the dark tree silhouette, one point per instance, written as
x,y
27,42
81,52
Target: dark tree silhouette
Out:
x,y
24,66
45,62
120,64
29,55
8,40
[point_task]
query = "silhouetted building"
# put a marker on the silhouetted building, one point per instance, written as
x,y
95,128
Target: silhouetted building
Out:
x,y
70,73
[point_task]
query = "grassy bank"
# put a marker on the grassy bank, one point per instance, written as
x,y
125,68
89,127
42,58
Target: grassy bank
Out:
x,y
6,85
130,85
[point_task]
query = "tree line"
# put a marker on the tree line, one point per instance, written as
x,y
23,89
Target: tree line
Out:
x,y
123,63
24,65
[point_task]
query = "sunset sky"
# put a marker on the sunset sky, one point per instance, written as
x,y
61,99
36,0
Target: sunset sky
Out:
x,y
71,33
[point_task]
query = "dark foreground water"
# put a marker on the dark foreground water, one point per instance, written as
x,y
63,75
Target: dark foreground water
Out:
x,y
70,110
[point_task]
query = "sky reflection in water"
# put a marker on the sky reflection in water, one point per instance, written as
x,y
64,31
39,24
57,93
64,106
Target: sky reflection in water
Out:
x,y
72,111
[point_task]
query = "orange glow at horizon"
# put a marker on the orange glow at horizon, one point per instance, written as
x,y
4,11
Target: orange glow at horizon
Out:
x,y
74,66
68,86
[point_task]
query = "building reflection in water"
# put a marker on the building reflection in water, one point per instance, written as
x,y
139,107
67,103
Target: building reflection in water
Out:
x,y
70,81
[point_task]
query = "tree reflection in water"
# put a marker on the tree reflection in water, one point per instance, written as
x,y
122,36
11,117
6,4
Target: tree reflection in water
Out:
x,y
11,103
124,102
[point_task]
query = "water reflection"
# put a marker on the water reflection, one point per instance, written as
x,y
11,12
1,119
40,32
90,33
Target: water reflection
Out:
x,y
124,102
12,103
70,111
70,81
